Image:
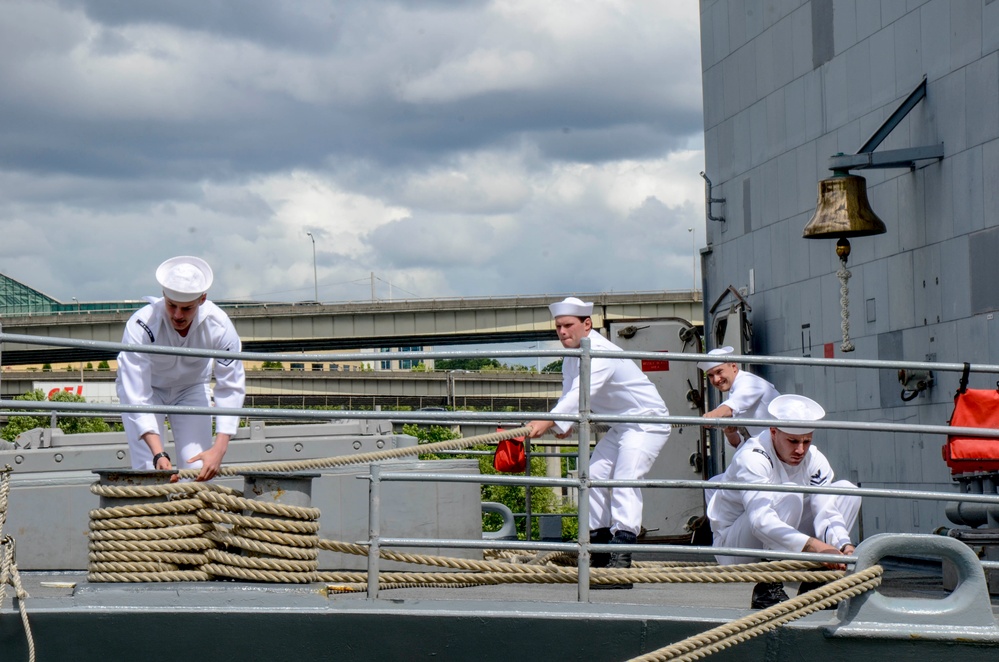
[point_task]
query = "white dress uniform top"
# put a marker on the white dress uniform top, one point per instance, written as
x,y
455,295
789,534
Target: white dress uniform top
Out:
x,y
749,397
162,379
779,520
627,451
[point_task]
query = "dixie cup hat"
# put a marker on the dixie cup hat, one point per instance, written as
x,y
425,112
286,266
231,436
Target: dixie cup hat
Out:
x,y
721,352
571,306
184,278
791,407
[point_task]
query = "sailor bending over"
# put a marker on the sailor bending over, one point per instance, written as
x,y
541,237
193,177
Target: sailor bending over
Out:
x,y
787,521
747,396
183,317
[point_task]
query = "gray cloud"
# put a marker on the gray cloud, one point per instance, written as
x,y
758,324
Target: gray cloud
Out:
x,y
432,143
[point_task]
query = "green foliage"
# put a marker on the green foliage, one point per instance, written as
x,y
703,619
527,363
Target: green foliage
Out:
x,y
90,366
103,366
47,367
272,365
475,363
70,425
554,366
543,499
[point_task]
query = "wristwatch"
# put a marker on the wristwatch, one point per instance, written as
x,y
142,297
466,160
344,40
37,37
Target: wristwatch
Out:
x,y
156,458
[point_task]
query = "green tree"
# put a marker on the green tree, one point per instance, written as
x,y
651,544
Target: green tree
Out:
x,y
543,499
103,366
272,365
477,363
68,424
47,367
554,366
90,366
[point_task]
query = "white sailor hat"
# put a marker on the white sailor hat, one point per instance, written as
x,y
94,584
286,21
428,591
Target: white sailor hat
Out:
x,y
184,278
720,352
571,306
791,407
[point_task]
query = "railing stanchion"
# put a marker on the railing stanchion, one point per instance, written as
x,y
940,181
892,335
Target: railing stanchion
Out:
x,y
374,528
583,464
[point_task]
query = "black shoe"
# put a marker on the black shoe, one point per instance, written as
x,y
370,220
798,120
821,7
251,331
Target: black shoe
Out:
x,y
620,559
600,536
767,594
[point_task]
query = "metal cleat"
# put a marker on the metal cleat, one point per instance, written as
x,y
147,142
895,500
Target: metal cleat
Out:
x,y
963,615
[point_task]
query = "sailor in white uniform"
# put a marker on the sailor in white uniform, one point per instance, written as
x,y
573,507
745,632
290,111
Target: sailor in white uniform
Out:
x,y
627,451
183,317
747,395
790,521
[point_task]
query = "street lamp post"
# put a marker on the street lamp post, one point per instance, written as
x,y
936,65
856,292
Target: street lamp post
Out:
x,y
77,302
315,274
693,261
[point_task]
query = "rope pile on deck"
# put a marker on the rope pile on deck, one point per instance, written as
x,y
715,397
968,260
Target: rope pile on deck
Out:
x,y
200,531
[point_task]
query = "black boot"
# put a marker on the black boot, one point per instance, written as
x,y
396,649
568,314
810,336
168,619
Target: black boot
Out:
x,y
600,536
620,559
768,594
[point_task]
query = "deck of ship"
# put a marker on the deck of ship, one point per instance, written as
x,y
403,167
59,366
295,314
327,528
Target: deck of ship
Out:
x,y
72,618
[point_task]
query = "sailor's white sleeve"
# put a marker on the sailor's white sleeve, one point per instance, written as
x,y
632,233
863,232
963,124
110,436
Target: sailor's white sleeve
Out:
x,y
230,380
135,374
744,396
763,518
601,372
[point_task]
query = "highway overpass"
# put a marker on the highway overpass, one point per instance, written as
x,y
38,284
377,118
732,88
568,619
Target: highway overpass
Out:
x,y
319,327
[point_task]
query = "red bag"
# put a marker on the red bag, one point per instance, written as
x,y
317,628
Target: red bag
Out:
x,y
510,457
973,408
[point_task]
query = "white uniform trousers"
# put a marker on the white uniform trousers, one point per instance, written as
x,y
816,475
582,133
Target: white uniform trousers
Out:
x,y
192,434
624,453
825,510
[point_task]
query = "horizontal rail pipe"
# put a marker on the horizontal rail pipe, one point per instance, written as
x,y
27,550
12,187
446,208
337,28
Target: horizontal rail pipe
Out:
x,y
513,353
692,484
489,416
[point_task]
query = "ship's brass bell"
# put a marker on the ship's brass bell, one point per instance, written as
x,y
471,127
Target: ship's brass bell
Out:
x,y
843,210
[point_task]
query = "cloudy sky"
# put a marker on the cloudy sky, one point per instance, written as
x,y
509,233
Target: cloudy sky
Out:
x,y
451,148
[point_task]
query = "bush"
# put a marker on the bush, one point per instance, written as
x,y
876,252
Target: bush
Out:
x,y
70,425
543,499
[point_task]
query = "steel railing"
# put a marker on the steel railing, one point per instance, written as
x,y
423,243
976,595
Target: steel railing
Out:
x,y
584,420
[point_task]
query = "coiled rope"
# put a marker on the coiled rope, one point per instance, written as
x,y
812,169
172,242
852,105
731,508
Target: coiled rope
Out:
x,y
8,568
200,532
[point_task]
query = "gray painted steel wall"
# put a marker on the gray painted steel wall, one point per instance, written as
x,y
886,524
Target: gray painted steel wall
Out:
x,y
789,84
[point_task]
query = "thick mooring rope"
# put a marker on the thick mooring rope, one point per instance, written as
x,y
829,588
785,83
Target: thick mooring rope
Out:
x,y
542,571
199,533
730,634
8,568
365,458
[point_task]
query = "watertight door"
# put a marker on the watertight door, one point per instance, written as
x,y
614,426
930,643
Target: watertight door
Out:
x,y
667,511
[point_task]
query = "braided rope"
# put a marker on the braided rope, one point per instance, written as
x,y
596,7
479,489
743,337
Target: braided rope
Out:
x,y
365,458
8,568
844,303
730,634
